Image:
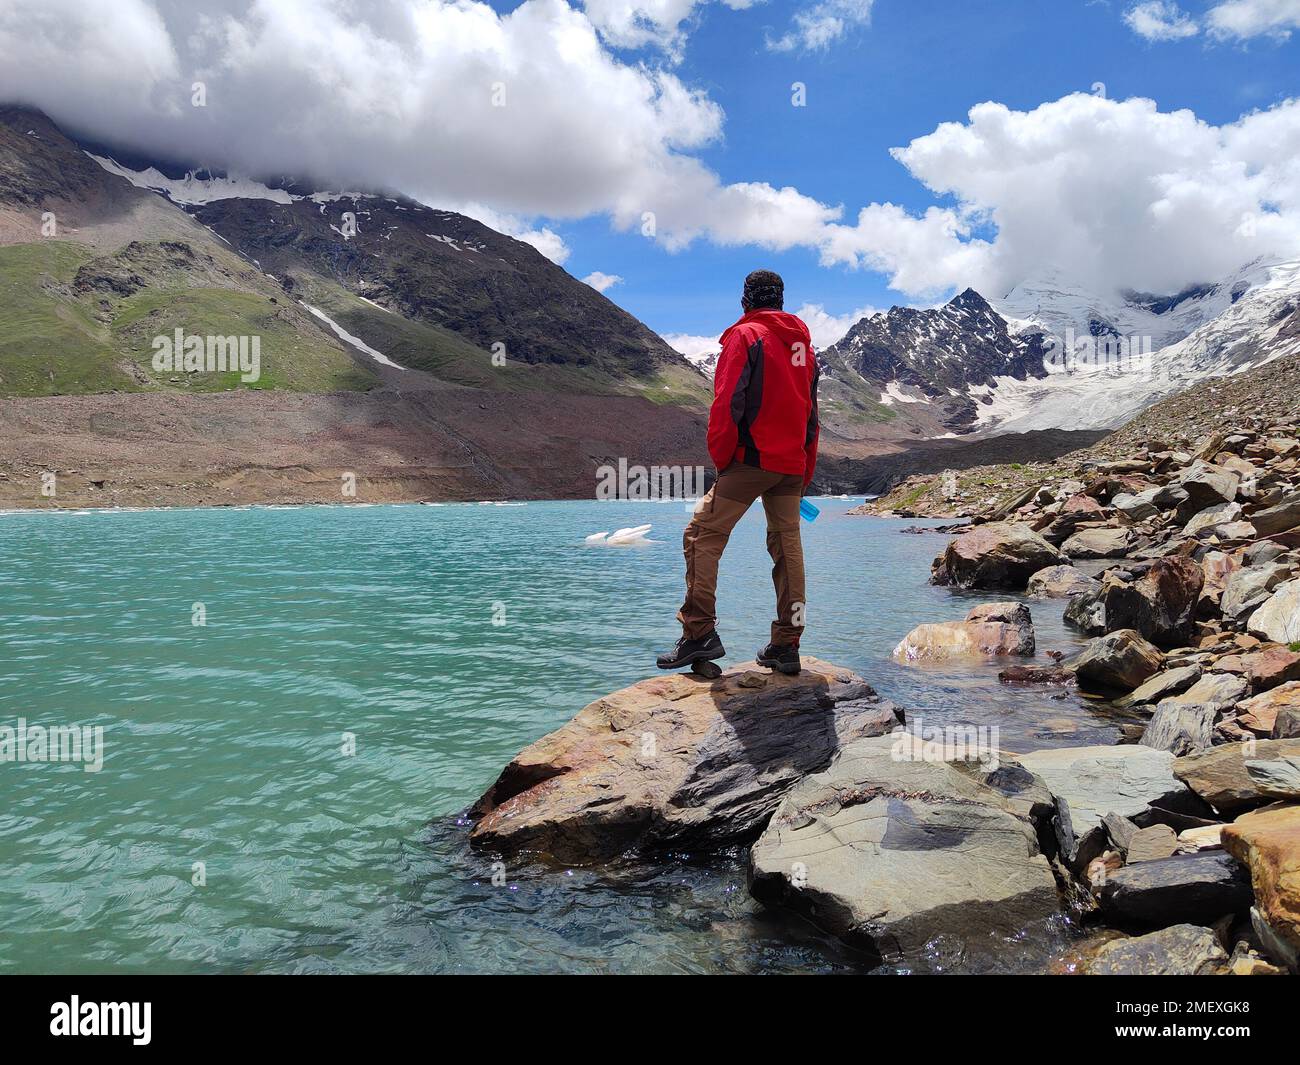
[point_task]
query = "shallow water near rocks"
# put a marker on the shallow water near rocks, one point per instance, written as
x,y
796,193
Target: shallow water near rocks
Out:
x,y
444,639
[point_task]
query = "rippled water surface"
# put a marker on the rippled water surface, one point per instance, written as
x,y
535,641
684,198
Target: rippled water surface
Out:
x,y
223,742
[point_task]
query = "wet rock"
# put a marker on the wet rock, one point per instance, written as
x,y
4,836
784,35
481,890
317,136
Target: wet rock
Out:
x,y
1180,950
1118,661
1221,778
1286,515
998,555
1197,888
991,630
1059,676
1087,612
1103,542
886,851
1279,618
1161,686
1060,582
1090,782
1268,843
1180,727
1160,605
675,762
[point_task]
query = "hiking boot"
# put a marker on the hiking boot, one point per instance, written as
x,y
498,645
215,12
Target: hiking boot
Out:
x,y
705,649
784,658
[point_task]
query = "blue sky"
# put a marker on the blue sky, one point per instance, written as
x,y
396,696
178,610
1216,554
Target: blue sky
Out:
x,y
913,67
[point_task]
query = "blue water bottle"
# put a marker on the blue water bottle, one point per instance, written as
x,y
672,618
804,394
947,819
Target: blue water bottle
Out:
x,y
807,511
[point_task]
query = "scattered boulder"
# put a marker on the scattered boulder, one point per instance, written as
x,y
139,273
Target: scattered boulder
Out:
x,y
1180,950
1268,668
1087,612
1161,686
1102,542
886,850
1138,506
1220,775
1160,605
1219,514
1195,888
1180,727
990,630
1268,842
1060,582
1287,724
1216,690
998,555
1205,486
1284,516
1279,618
1057,675
1151,844
1090,782
675,761
1259,714
1248,588
1118,661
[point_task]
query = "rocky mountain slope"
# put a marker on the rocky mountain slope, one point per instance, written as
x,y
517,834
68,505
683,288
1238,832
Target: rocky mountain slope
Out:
x,y
387,333
935,360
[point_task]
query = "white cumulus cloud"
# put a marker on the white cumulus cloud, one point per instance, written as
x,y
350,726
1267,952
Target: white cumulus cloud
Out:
x,y
601,281
1160,20
821,25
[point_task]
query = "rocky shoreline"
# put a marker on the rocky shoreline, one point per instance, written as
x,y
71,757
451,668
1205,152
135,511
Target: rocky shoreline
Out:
x,y
1175,851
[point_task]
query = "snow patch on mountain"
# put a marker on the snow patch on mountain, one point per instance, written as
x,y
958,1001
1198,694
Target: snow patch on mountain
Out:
x,y
193,189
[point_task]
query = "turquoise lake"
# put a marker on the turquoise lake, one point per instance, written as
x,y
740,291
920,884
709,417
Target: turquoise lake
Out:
x,y
443,639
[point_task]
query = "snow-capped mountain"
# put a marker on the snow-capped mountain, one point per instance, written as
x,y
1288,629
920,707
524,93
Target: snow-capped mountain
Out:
x,y
1131,350
1054,355
941,357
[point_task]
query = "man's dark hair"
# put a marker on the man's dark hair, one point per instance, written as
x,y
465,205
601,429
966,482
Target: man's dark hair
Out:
x,y
764,290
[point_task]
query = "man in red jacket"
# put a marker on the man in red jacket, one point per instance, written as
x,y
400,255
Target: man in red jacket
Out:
x,y
763,440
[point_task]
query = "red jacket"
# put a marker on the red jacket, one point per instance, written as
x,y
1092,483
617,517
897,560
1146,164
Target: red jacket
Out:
x,y
764,410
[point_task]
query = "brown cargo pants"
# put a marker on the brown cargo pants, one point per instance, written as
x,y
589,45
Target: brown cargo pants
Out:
x,y
706,537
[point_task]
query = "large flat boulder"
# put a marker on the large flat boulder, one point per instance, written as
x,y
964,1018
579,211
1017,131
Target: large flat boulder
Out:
x,y
997,555
1179,950
1222,775
675,762
1268,842
1088,783
991,630
1197,888
1162,685
887,849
